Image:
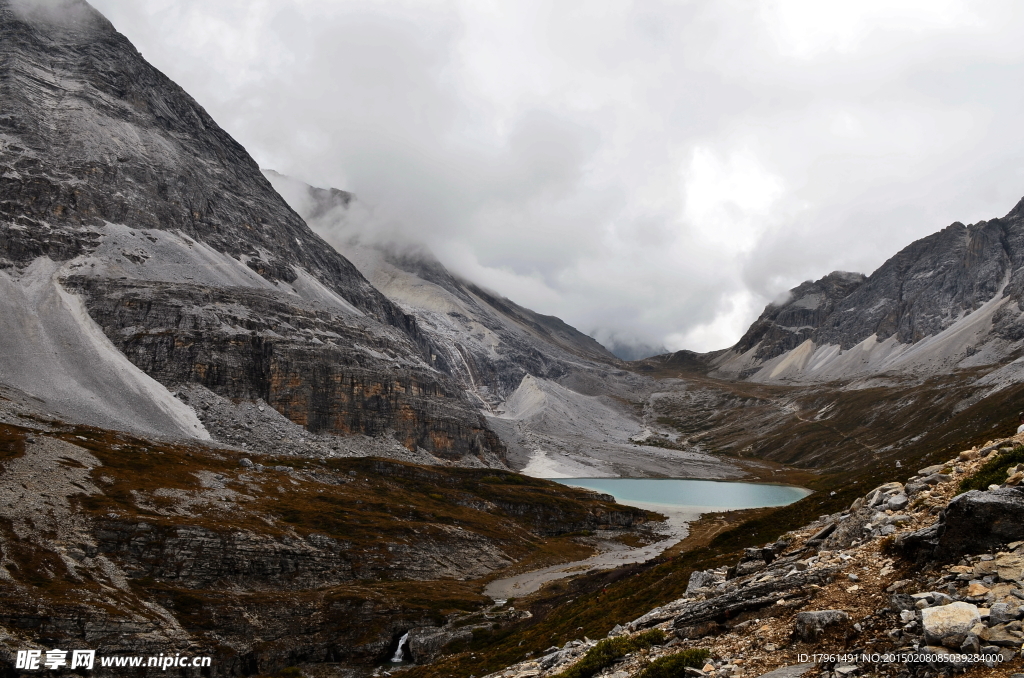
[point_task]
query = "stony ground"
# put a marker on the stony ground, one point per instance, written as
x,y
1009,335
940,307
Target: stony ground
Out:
x,y
834,598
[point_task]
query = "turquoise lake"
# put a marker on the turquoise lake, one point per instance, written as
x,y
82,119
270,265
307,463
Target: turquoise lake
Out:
x,y
709,494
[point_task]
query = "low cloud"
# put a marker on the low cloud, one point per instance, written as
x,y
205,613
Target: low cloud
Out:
x,y
654,174
67,14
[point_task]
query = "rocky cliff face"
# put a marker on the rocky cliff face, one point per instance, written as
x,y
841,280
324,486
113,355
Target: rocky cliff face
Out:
x,y
185,256
784,326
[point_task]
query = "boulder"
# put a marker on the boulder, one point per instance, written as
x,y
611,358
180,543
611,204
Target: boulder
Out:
x,y
974,522
702,579
745,567
948,625
897,502
1001,613
811,625
1002,635
426,641
914,488
1010,567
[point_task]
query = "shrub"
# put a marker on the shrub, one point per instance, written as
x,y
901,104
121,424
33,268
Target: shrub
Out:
x,y
993,472
675,665
608,650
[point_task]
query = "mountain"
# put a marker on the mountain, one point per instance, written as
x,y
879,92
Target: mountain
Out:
x,y
563,405
197,396
853,371
487,341
949,301
134,226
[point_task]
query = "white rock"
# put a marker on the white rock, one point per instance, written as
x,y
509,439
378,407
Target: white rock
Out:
x,y
949,625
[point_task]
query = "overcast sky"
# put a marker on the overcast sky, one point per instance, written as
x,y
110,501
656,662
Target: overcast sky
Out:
x,y
651,172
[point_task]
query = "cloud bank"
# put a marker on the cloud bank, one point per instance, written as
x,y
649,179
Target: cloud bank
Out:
x,y
653,173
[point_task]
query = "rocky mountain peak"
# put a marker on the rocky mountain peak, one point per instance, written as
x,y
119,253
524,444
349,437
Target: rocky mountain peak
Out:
x,y
959,288
135,233
91,134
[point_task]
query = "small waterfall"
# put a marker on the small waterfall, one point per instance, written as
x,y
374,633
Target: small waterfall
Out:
x,y
399,652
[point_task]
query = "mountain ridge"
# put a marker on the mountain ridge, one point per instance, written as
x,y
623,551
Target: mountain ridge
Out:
x,y
917,315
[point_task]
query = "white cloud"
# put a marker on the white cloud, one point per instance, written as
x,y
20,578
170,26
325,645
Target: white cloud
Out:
x,y
808,28
730,201
735,312
650,172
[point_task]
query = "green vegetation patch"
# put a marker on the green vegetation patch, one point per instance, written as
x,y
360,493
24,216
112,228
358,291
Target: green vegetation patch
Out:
x,y
675,665
993,472
604,654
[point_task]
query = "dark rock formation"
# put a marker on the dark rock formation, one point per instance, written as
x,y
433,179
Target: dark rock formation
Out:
x,y
812,625
749,596
919,292
974,522
925,289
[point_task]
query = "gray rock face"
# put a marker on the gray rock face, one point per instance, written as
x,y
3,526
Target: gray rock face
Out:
x,y
926,286
92,133
783,327
702,579
425,642
200,558
749,596
187,258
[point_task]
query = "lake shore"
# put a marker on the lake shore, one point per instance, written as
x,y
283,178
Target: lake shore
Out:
x,y
716,497
613,554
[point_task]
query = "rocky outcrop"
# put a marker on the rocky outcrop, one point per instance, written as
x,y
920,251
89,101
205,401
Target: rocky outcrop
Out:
x,y
325,371
427,641
784,326
197,557
974,522
810,626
